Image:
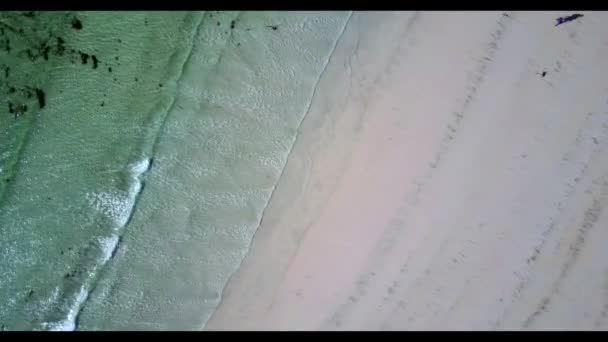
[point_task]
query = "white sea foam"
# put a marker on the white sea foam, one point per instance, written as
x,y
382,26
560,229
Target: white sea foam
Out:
x,y
108,245
118,205
69,323
113,205
140,167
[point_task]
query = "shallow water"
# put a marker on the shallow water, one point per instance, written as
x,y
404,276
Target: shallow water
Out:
x,y
130,198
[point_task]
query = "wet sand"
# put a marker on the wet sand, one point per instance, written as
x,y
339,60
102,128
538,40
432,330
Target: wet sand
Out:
x,y
451,173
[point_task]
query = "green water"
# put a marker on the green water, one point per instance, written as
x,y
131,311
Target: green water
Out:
x,y
130,198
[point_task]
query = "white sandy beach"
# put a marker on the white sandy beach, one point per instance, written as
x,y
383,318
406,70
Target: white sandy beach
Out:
x,y
440,181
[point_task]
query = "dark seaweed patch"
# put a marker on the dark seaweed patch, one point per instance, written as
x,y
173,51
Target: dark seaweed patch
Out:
x,y
95,61
60,46
30,55
44,51
41,98
84,57
76,24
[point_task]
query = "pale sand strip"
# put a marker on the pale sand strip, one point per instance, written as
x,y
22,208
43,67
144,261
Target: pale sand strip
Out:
x,y
439,182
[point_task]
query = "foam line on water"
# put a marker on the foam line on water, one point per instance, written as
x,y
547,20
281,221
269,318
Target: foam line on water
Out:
x,y
69,323
118,206
108,246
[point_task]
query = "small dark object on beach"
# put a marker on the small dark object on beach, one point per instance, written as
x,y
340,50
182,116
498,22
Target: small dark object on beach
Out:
x,y
10,108
102,103
76,24
506,15
273,27
544,74
28,14
160,85
563,20
109,69
30,293
94,58
11,90
136,79
232,24
218,23
41,98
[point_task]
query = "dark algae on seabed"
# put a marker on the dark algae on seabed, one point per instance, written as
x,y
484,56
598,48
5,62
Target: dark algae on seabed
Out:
x,y
32,43
75,135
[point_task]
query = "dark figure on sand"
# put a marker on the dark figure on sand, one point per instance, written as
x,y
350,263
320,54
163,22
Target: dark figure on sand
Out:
x,y
563,20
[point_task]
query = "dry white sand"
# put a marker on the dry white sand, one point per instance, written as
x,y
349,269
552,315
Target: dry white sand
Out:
x,y
439,181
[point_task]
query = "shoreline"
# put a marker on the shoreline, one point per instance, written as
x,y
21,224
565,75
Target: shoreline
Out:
x,y
439,182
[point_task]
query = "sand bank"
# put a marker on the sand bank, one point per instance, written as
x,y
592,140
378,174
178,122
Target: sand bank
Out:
x,y
451,174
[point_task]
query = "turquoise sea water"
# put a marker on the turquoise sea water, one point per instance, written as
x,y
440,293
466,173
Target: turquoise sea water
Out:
x,y
132,188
